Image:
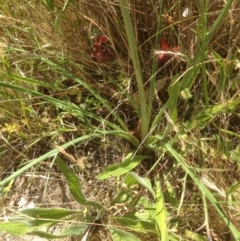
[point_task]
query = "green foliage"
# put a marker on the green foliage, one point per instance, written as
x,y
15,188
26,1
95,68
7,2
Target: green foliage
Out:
x,y
178,142
118,235
73,182
15,229
119,169
161,213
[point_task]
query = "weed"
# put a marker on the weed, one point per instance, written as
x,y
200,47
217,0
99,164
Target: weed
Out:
x,y
120,119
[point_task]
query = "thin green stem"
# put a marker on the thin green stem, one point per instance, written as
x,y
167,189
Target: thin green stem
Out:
x,y
145,115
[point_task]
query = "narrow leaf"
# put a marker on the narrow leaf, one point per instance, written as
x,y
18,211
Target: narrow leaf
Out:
x,y
161,213
35,217
119,169
66,4
145,117
73,182
49,213
211,112
71,231
205,192
120,235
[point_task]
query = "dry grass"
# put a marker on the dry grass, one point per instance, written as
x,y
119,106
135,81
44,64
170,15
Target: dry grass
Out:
x,y
28,33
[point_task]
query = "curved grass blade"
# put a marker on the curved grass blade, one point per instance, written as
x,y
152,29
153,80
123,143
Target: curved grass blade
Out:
x,y
94,92
43,157
205,192
55,151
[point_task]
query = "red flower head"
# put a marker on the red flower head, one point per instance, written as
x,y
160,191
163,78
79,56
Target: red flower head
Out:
x,y
163,45
100,50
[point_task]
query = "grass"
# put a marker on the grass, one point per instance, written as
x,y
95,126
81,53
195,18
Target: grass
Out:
x,y
104,135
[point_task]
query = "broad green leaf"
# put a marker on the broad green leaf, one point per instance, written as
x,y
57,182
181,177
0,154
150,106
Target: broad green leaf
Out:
x,y
71,231
73,182
119,169
125,196
15,229
49,213
36,217
152,141
132,178
161,213
146,203
136,224
120,235
144,215
144,210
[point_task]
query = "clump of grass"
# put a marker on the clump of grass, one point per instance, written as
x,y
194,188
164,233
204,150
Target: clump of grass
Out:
x,y
173,173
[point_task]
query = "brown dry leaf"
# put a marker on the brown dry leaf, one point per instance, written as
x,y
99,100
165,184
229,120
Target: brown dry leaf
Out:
x,y
79,161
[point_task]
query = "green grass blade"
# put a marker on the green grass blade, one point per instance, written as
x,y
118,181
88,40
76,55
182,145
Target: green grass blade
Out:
x,y
205,192
43,157
66,5
91,90
145,115
49,4
36,217
191,75
161,213
211,112
155,63
67,106
47,213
